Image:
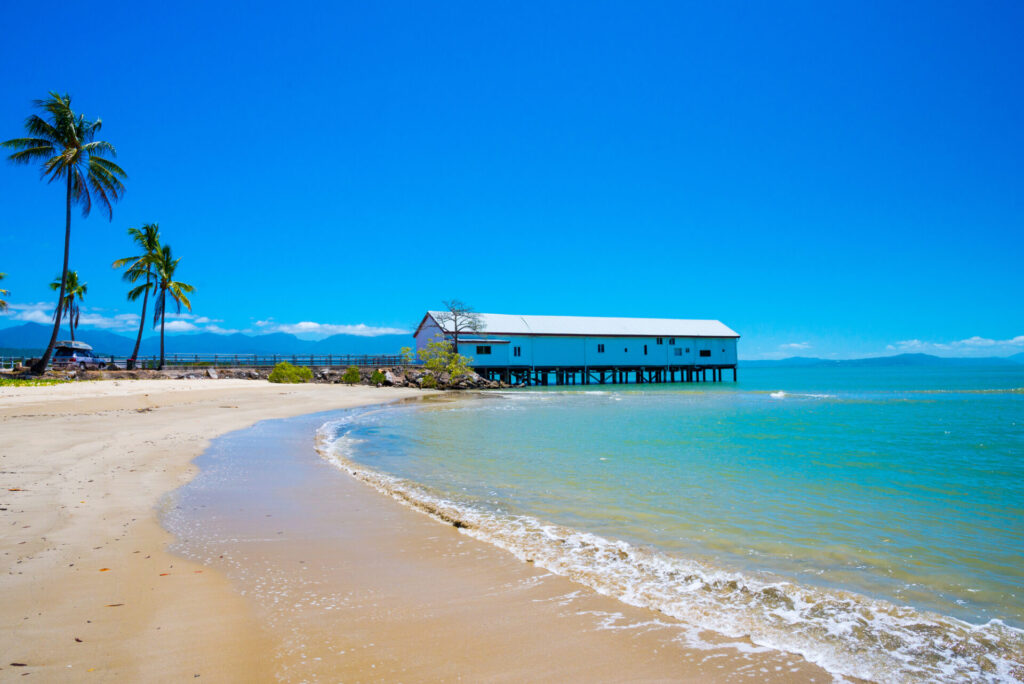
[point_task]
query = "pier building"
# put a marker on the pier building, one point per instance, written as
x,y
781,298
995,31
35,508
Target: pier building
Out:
x,y
589,350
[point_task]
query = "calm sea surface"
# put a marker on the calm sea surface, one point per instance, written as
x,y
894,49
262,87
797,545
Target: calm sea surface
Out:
x,y
870,519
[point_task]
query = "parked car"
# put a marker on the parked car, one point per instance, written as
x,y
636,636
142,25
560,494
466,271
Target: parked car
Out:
x,y
76,354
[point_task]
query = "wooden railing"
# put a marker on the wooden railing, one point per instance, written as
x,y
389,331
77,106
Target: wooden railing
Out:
x,y
240,360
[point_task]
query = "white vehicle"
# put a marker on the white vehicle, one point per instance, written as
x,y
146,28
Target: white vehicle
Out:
x,y
69,355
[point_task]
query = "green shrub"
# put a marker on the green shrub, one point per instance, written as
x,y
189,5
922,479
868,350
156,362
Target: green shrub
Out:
x,y
286,372
351,375
429,382
377,378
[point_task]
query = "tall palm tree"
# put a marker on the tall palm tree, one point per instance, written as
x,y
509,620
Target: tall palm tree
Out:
x,y
3,293
65,146
166,266
137,267
68,307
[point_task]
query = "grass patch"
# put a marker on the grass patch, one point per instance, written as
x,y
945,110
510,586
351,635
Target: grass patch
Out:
x,y
30,382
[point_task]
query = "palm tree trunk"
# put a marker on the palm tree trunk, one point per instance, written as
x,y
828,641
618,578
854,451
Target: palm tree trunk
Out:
x,y
40,366
163,318
142,325
71,324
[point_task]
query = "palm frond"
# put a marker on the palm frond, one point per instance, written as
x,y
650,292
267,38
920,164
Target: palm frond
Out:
x,y
158,307
41,128
26,143
27,156
121,263
99,148
100,190
80,191
139,290
64,145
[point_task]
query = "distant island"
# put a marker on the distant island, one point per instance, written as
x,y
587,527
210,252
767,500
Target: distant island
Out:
x,y
901,360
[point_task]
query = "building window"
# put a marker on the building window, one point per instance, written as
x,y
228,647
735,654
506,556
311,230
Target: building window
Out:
x,y
661,340
517,351
600,349
671,340
705,352
483,349
687,350
678,351
645,349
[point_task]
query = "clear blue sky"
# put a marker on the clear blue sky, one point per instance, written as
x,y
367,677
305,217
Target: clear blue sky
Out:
x,y
827,179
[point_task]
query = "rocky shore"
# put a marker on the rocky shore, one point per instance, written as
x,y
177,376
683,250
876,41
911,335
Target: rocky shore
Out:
x,y
397,376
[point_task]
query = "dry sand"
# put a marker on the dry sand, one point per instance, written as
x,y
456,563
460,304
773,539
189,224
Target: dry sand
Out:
x,y
90,592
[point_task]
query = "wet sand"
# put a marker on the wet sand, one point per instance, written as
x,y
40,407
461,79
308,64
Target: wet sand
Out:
x,y
355,584
295,571
88,591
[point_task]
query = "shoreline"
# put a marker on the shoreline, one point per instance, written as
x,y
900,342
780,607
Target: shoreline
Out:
x,y
89,585
354,583
94,584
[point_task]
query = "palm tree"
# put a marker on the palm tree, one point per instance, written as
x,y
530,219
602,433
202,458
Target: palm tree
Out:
x,y
69,307
165,266
139,266
4,293
64,144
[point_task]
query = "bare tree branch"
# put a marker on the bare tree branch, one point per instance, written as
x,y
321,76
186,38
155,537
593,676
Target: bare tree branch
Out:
x,y
458,318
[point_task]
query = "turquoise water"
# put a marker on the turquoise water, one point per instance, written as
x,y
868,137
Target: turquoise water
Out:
x,y
872,520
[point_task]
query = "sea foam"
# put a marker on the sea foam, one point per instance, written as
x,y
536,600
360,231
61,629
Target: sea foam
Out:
x,y
845,633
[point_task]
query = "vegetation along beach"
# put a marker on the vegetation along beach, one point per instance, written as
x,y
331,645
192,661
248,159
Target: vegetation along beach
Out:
x,y
616,342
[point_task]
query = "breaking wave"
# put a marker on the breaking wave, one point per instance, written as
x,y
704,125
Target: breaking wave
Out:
x,y
845,633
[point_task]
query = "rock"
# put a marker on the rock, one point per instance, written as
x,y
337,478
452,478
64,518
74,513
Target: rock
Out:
x,y
253,375
211,373
392,379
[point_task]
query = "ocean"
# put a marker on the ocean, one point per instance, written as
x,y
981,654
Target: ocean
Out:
x,y
870,520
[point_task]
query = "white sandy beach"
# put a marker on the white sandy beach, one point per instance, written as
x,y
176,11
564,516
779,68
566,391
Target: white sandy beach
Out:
x,y
90,592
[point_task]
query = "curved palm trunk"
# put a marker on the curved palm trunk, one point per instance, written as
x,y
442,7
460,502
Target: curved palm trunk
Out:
x,y
40,366
142,325
163,319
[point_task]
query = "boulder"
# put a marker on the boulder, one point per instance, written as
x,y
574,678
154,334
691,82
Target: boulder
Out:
x,y
392,379
211,373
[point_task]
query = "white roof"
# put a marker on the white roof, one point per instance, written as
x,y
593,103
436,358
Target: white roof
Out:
x,y
597,326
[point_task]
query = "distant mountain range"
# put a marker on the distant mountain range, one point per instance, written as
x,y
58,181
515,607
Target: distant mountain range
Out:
x,y
890,361
31,338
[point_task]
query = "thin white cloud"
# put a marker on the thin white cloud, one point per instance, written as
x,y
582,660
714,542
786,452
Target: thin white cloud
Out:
x,y
42,312
795,346
180,326
39,312
216,329
311,328
971,346
115,322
